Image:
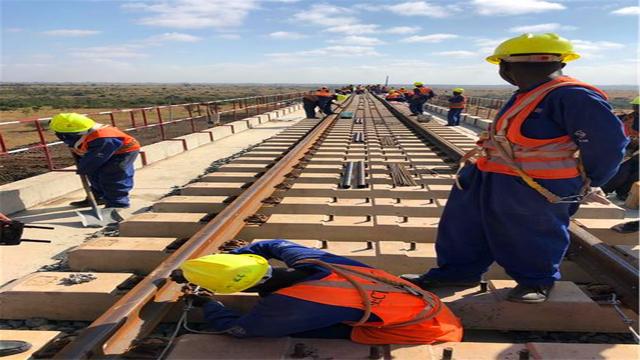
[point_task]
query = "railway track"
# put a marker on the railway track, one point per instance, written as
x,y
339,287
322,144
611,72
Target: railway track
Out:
x,y
371,187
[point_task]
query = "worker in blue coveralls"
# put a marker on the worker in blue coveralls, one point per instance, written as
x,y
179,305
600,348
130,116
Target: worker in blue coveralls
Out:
x,y
316,295
513,199
421,94
105,154
457,102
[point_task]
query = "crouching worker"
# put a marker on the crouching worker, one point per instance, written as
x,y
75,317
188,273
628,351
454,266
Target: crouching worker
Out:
x,y
105,154
318,295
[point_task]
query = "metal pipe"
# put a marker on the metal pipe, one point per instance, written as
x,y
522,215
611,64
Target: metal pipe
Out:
x,y
346,176
361,179
141,309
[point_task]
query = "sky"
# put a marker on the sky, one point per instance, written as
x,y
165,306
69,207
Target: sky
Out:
x,y
299,41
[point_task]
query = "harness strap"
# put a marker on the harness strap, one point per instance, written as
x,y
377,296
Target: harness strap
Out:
x,y
433,304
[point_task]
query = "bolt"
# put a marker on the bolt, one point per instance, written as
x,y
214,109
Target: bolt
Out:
x,y
447,353
368,218
523,354
375,353
369,245
324,244
398,200
484,286
334,199
412,246
330,217
405,219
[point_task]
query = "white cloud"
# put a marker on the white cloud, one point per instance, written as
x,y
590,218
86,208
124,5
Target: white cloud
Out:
x,y
229,36
71,32
335,19
351,29
286,35
587,48
458,53
115,52
358,40
432,38
329,51
173,36
629,10
193,14
420,8
403,30
514,7
540,28
326,15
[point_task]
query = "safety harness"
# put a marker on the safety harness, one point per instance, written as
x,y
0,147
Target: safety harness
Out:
x,y
432,308
503,148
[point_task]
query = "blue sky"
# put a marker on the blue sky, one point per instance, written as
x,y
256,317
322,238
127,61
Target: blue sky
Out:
x,y
289,41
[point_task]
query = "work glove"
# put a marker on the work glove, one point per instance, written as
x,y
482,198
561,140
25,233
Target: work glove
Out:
x,y
596,195
11,232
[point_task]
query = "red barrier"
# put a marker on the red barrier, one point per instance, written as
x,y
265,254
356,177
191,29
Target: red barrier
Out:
x,y
213,112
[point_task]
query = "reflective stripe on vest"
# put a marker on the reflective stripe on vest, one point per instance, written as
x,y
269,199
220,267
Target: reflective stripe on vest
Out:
x,y
129,143
397,308
554,158
458,105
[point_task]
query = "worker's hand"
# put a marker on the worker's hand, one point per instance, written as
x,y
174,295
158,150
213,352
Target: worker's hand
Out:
x,y
200,300
596,195
177,276
4,218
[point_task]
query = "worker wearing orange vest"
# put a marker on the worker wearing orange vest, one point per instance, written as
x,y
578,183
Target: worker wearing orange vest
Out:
x,y
106,156
513,199
421,94
318,294
456,104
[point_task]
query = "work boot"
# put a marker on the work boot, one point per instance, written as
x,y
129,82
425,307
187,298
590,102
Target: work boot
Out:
x,y
427,284
530,294
85,203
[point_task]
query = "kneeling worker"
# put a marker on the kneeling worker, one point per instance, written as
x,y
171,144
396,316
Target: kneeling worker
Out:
x,y
318,295
106,156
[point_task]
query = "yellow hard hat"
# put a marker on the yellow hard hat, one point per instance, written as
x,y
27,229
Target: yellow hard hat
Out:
x,y
70,123
418,83
635,101
225,273
525,44
458,90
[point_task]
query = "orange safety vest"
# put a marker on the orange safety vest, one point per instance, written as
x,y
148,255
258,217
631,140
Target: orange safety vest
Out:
x,y
627,121
506,149
459,105
106,131
323,93
423,90
409,315
393,95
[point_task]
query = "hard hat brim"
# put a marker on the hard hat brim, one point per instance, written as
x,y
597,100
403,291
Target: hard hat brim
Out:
x,y
495,59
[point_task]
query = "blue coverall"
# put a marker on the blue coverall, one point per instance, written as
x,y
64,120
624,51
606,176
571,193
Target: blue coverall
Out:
x,y
110,174
417,101
453,116
278,315
497,217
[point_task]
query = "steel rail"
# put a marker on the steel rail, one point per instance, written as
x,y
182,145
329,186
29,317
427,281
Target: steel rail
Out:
x,y
136,314
593,255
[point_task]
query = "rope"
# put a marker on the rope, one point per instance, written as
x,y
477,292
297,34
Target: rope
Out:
x,y
433,308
